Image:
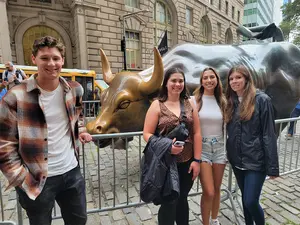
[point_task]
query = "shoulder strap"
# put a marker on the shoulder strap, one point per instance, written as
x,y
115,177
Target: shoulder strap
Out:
x,y
182,111
18,72
6,74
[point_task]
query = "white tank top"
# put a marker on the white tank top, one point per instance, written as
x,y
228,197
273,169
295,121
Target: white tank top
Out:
x,y
210,116
61,154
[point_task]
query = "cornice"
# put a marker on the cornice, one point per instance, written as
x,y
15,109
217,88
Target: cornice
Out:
x,y
84,4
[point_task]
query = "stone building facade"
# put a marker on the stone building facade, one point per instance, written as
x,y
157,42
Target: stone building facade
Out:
x,y
85,26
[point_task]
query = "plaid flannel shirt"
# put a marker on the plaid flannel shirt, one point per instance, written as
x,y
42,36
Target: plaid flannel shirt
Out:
x,y
23,133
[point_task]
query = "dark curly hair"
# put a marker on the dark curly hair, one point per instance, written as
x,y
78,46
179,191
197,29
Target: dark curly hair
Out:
x,y
50,42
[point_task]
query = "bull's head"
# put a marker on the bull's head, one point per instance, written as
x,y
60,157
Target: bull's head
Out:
x,y
125,103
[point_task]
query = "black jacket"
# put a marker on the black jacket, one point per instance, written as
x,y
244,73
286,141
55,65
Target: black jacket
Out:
x,y
253,144
159,177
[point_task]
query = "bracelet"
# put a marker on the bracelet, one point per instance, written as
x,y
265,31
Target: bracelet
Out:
x,y
197,160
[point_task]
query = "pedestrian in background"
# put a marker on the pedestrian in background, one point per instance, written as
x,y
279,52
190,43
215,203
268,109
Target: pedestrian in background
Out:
x,y
162,117
12,75
41,121
210,103
295,113
251,140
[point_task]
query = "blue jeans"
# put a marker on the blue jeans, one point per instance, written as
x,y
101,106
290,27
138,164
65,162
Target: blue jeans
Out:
x,y
251,183
295,113
68,190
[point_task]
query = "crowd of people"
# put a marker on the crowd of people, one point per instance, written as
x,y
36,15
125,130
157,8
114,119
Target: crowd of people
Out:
x,y
41,124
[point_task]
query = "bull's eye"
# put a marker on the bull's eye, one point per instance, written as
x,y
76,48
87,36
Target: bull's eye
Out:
x,y
124,104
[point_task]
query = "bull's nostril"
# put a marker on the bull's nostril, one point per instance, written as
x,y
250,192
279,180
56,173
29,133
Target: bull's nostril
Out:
x,y
98,129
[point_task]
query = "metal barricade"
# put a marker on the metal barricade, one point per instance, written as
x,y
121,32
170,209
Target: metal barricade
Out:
x,y
113,175
91,108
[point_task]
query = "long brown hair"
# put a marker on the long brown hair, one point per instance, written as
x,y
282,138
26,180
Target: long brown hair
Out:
x,y
247,104
218,92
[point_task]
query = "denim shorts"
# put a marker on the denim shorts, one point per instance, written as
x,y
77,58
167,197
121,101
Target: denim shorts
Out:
x,y
213,150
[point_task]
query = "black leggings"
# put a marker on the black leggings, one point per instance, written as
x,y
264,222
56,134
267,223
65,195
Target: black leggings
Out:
x,y
167,212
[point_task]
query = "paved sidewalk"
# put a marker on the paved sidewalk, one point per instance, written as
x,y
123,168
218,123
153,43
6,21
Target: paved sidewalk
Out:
x,y
280,197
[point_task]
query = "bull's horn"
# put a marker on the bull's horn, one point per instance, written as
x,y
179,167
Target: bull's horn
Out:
x,y
107,74
157,76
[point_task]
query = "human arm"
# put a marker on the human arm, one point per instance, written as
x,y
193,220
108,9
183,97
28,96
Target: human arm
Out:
x,y
10,161
23,74
269,137
197,142
84,136
151,120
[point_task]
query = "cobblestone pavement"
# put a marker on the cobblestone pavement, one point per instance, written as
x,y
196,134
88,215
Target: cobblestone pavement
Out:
x,y
280,198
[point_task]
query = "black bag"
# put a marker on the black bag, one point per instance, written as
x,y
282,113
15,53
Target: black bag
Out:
x,y
180,132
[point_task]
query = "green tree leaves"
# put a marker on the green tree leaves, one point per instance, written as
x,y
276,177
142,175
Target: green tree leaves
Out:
x,y
290,25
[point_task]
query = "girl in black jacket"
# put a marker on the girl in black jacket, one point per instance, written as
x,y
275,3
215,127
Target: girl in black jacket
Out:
x,y
251,141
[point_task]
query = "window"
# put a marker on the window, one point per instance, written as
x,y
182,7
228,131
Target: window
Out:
x,y
219,29
133,52
239,16
131,3
228,37
162,14
226,7
41,1
232,12
162,22
211,2
220,4
189,16
204,30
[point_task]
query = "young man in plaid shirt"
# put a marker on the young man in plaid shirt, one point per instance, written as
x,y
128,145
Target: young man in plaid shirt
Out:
x,y
41,122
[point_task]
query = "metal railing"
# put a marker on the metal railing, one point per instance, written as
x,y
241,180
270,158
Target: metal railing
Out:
x,y
113,174
91,108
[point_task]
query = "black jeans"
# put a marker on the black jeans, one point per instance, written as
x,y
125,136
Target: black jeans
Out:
x,y
251,183
167,212
68,190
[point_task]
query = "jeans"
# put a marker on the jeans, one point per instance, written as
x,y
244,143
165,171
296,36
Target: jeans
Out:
x,y
178,210
251,183
68,190
295,113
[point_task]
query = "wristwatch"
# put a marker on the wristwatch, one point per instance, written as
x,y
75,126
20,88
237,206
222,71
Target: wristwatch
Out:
x,y
197,160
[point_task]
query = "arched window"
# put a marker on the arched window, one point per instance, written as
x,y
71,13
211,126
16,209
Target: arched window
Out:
x,y
205,30
162,22
31,35
228,36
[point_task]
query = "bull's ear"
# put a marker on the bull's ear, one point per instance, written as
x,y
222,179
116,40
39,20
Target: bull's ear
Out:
x,y
107,74
157,77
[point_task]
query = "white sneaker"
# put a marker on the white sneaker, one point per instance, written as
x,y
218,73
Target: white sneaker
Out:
x,y
214,222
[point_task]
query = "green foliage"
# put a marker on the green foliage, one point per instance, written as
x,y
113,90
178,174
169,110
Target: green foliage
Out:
x,y
291,21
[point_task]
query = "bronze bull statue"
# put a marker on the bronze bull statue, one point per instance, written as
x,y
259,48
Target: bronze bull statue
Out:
x,y
275,68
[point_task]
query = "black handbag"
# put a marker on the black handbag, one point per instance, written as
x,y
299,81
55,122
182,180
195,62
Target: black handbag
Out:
x,y
180,132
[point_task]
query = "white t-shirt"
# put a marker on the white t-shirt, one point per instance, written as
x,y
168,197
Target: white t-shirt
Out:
x,y
61,154
211,119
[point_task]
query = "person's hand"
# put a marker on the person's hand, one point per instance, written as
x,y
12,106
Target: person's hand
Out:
x,y
5,83
176,149
195,168
85,137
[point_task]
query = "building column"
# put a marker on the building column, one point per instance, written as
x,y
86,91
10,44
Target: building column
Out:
x,y
5,49
81,40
